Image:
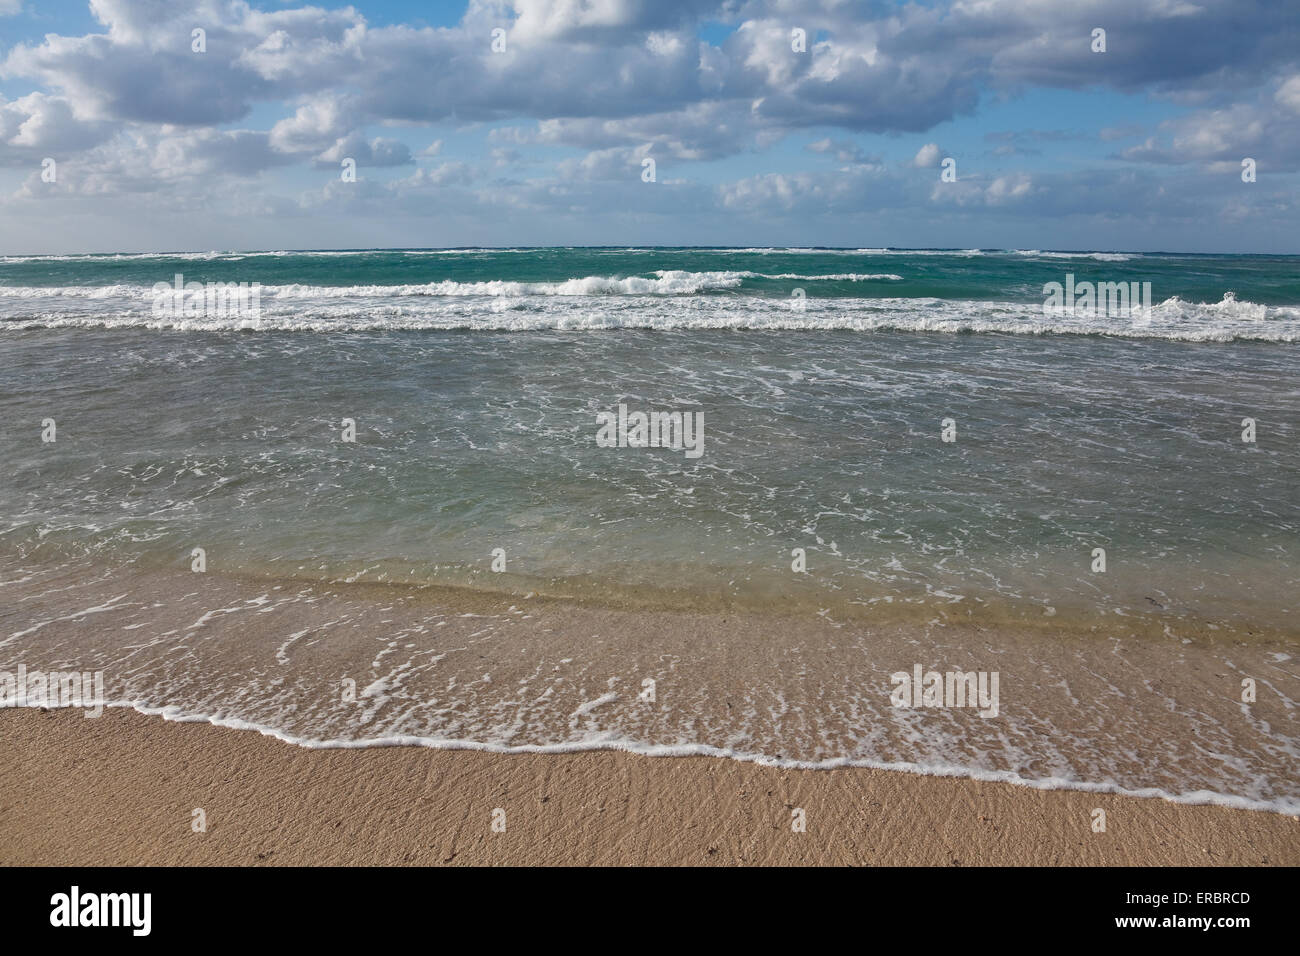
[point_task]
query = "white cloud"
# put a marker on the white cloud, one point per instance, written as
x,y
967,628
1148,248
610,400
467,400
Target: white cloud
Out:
x,y
375,152
843,151
1007,189
927,156
598,85
1288,94
314,125
615,163
40,123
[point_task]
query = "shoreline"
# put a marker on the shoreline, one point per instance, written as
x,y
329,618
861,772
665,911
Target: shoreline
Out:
x,y
366,666
694,751
484,592
122,790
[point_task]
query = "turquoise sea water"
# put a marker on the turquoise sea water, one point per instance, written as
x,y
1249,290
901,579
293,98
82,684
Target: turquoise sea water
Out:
x,y
824,382
1212,298
475,377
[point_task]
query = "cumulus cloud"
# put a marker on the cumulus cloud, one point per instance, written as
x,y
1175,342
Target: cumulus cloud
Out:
x,y
615,163
316,123
854,189
447,174
1288,94
42,124
1219,138
927,156
209,152
592,19
375,152
875,70
599,85
1007,189
844,151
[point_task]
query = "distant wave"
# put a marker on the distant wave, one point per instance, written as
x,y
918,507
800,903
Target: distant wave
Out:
x,y
519,307
117,291
665,282
836,277
1100,256
920,252
236,254
810,251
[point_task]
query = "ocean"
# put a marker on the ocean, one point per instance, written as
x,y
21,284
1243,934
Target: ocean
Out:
x,y
390,463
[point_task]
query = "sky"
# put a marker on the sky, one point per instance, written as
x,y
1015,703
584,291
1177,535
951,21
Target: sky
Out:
x,y
765,122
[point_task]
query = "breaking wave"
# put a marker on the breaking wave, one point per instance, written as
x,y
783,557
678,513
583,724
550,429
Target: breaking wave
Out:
x,y
668,301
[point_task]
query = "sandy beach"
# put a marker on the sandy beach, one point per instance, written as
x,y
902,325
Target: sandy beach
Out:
x,y
570,433
122,789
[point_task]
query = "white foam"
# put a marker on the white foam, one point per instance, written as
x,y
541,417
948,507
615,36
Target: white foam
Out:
x,y
965,253
834,277
1100,256
599,304
608,741
665,282
236,255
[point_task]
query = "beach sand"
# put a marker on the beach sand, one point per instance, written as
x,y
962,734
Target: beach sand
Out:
x,y
122,789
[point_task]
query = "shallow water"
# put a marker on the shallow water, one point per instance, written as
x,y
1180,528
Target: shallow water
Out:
x,y
826,442
475,379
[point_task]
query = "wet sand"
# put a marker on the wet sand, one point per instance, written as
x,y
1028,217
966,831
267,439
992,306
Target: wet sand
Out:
x,y
122,789
347,663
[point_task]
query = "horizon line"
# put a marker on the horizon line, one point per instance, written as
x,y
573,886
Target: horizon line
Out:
x,y
865,250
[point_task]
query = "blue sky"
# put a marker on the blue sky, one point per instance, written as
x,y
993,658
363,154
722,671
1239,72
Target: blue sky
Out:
x,y
241,145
